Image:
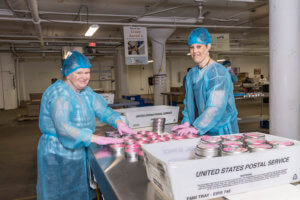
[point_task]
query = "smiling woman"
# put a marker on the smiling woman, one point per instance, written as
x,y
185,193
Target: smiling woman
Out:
x,y
209,101
67,123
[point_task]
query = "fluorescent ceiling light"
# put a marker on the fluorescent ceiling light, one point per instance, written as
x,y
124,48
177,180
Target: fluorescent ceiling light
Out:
x,y
150,61
92,29
221,60
188,54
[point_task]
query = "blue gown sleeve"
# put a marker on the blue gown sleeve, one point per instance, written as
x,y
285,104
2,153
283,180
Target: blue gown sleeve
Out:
x,y
104,113
70,136
217,98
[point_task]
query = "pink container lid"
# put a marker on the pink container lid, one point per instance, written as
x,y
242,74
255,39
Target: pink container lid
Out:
x,y
191,136
141,153
132,150
232,143
132,146
231,137
254,135
282,143
137,135
117,145
210,139
233,149
178,137
260,146
156,141
142,142
151,133
255,141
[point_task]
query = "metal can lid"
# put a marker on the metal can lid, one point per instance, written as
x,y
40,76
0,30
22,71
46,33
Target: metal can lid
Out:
x,y
234,150
260,146
254,135
116,146
277,144
210,139
232,137
255,141
232,143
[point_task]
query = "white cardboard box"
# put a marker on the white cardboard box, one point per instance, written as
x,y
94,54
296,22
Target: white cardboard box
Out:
x,y
143,116
109,97
174,173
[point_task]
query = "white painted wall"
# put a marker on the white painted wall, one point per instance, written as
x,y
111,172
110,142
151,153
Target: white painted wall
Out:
x,y
35,75
8,82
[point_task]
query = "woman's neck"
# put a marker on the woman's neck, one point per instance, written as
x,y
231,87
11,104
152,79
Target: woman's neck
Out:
x,y
205,62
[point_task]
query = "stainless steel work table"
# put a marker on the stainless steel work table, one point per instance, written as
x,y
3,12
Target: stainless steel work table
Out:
x,y
118,178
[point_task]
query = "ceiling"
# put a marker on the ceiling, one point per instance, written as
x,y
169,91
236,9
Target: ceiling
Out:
x,y
43,26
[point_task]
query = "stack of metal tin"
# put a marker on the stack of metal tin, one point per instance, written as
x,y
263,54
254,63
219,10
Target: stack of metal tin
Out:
x,y
159,125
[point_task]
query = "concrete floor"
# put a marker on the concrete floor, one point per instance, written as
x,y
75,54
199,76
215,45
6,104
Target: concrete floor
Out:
x,y
19,140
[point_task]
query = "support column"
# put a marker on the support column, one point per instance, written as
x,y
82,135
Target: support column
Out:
x,y
285,68
8,82
121,74
158,39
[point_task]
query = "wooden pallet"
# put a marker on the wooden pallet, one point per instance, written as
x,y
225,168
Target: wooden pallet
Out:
x,y
26,118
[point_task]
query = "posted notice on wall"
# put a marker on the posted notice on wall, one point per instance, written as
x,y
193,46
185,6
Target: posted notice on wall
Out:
x,y
136,46
220,42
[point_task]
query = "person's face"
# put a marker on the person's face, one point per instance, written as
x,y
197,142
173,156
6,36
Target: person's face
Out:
x,y
79,79
199,52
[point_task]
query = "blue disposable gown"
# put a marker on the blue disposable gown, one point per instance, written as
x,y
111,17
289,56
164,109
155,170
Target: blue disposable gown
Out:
x,y
67,122
209,101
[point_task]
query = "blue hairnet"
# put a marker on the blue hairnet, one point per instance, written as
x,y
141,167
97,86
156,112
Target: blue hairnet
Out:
x,y
199,36
74,61
226,62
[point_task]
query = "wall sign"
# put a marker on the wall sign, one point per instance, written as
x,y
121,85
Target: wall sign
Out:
x,y
136,46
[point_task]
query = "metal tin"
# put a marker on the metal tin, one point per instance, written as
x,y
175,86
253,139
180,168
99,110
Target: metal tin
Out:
x,y
232,137
156,141
137,136
154,137
141,156
233,151
229,143
179,137
149,133
113,134
159,125
210,139
207,150
142,142
129,141
259,147
132,146
255,141
280,144
191,136
254,135
117,149
131,155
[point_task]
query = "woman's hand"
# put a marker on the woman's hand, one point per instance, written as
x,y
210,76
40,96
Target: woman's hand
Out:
x,y
102,140
123,128
181,126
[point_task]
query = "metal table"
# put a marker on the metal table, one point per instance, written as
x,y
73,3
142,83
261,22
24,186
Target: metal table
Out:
x,y
117,178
